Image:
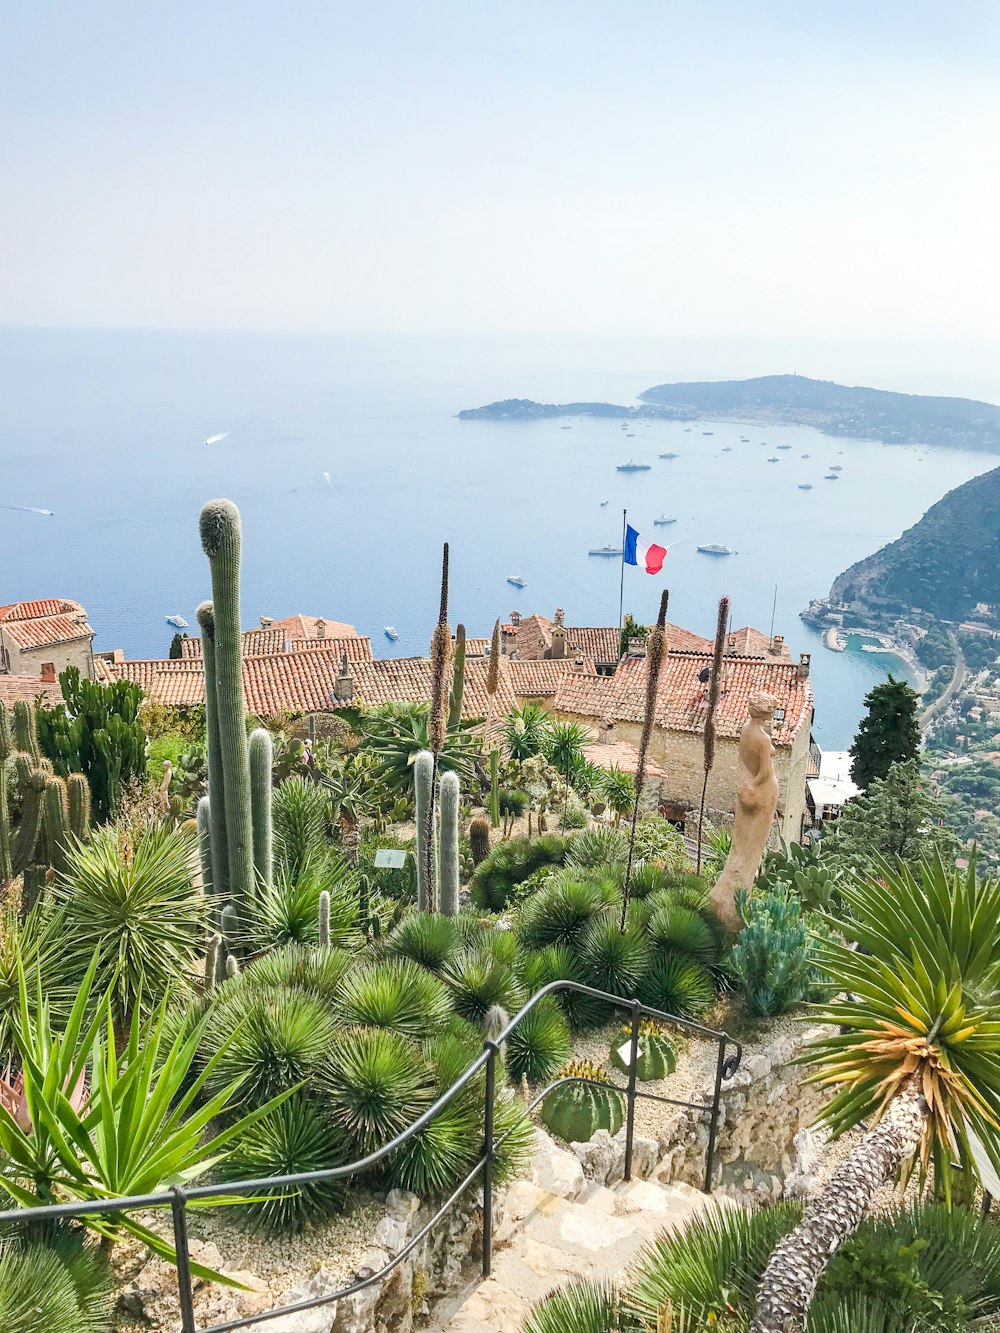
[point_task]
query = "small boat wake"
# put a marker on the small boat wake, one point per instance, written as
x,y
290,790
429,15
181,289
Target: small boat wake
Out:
x,y
30,509
217,439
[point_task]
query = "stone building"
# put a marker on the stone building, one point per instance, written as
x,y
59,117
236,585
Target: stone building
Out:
x,y
43,638
613,708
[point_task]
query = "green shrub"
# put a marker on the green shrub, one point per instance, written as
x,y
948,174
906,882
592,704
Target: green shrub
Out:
x,y
396,994
677,985
377,1083
275,1037
770,959
299,814
540,1044
314,970
426,938
657,840
614,960
682,930
479,982
297,1136
558,962
509,864
559,913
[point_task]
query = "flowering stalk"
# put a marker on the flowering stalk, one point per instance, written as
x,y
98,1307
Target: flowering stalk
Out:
x,y
437,726
714,683
655,653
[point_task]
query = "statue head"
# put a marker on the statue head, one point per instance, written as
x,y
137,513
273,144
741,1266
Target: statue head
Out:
x,y
762,706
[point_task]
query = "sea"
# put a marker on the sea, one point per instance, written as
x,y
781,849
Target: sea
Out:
x,y
350,467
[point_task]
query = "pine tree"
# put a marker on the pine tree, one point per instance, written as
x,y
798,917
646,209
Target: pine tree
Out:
x,y
889,732
899,817
176,645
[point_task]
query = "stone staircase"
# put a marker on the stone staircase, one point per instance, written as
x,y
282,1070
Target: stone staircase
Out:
x,y
557,1227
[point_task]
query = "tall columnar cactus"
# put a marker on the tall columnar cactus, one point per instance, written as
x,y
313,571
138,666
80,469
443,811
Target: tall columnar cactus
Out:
x,y
261,756
495,788
6,750
448,874
56,823
216,771
324,919
457,678
78,796
22,846
221,542
423,780
203,823
26,729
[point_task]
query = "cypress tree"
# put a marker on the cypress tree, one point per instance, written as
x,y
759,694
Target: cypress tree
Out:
x,y
889,732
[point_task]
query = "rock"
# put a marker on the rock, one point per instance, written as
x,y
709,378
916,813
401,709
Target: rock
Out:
x,y
598,1157
153,1295
554,1169
809,1146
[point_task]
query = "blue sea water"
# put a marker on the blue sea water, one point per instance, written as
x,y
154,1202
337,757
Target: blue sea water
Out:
x,y
108,431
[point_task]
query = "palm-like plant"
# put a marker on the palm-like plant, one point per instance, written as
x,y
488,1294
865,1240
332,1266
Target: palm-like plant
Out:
x,y
299,813
398,733
397,994
136,906
526,731
917,1057
565,744
618,789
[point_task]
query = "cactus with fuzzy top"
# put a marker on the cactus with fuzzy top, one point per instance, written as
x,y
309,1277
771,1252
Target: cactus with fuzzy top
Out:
x,y
203,823
229,925
576,1111
221,542
261,756
448,870
211,963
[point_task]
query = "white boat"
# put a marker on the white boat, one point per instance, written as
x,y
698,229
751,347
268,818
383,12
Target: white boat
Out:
x,y
713,548
605,550
179,621
774,459
805,486
632,467
668,456
783,446
663,520
517,581
603,503
391,632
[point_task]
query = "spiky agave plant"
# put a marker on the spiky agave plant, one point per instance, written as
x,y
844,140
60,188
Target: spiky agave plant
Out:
x,y
677,985
315,971
560,962
59,1282
559,912
298,812
540,1044
427,939
377,1083
655,652
714,685
396,994
287,907
584,1307
478,980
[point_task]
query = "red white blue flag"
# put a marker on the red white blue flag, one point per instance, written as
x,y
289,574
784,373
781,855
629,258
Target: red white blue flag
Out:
x,y
649,557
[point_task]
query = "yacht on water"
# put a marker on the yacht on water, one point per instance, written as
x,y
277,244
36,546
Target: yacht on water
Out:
x,y
805,486
832,476
670,455
179,621
713,548
632,467
663,520
603,503
391,632
774,459
605,550
517,581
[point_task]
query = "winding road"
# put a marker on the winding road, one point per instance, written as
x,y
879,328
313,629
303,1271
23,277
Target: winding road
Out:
x,y
954,685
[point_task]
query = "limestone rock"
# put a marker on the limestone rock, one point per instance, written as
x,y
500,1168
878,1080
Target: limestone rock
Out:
x,y
554,1169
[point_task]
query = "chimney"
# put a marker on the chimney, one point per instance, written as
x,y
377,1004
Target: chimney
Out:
x,y
515,618
266,622
636,647
606,735
48,673
560,616
558,649
804,659
578,662
778,645
321,629
344,688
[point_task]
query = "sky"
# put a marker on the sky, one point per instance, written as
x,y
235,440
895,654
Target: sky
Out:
x,y
816,168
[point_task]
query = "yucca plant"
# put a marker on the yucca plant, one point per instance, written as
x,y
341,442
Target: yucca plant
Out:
x,y
299,813
677,985
295,1138
618,791
540,1044
426,938
597,846
526,730
581,1307
271,1039
377,1083
560,912
614,959
916,1057
442,1152
317,971
133,904
479,982
286,910
396,993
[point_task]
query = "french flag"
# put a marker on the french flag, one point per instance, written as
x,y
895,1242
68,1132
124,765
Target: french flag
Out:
x,y
637,552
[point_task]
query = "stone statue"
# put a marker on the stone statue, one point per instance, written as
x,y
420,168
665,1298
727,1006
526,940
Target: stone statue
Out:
x,y
756,802
163,791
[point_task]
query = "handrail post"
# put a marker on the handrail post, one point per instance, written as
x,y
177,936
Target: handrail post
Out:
x,y
491,1071
713,1127
632,1071
179,1213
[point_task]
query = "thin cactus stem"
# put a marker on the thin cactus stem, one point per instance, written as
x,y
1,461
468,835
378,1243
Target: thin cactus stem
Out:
x,y
221,541
714,686
457,678
56,823
437,724
261,756
655,651
324,919
216,770
212,962
203,823
232,966
229,929
495,788
423,777
78,796
448,870
6,750
32,809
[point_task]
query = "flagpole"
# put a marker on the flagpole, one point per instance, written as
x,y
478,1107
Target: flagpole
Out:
x,y
621,590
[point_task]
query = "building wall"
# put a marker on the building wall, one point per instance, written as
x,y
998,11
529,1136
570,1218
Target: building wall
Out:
x,y
681,755
28,661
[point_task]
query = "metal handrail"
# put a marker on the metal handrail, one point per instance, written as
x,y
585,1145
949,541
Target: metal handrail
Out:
x,y
177,1198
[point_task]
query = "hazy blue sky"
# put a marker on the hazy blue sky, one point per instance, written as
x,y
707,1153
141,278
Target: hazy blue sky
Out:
x,y
815,167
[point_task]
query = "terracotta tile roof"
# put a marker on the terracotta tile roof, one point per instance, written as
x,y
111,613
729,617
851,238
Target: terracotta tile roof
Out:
x,y
477,647
750,642
50,606
267,642
540,679
682,698
358,647
532,639
41,631
28,688
304,627
618,754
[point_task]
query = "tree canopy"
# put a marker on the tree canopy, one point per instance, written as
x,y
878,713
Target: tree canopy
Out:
x,y
889,732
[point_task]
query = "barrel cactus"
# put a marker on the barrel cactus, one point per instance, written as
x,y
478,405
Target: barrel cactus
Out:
x,y
657,1054
479,839
576,1111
